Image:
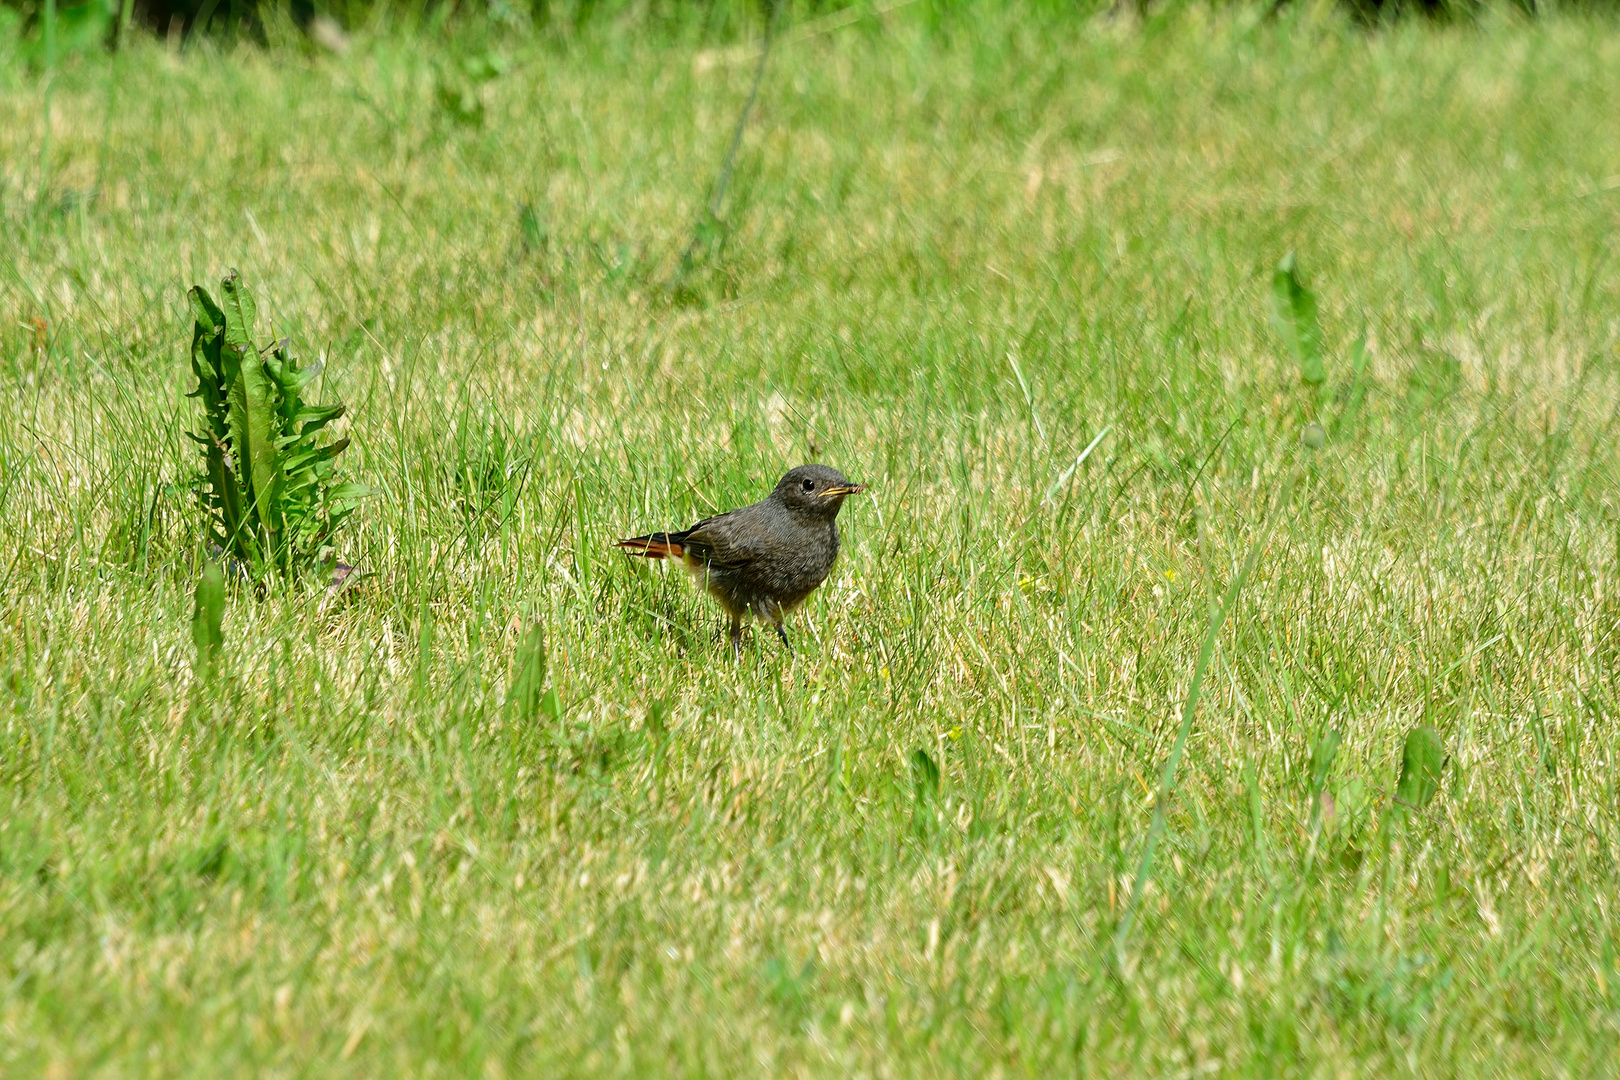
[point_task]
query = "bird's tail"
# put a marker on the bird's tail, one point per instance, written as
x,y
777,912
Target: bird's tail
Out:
x,y
655,545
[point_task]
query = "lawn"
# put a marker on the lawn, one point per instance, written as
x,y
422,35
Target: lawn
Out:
x,y
956,251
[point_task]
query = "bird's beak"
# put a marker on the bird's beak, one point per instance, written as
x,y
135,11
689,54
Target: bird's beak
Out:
x,y
852,489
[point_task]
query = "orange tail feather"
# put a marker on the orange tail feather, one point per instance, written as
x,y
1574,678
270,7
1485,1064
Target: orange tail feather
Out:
x,y
653,546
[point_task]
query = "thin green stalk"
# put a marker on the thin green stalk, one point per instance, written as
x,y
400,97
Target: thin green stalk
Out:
x,y
50,37
50,85
717,193
1167,779
114,70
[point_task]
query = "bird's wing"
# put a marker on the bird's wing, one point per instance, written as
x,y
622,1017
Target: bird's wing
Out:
x,y
718,541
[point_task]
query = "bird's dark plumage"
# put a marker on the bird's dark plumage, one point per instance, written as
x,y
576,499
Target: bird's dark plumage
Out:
x,y
764,559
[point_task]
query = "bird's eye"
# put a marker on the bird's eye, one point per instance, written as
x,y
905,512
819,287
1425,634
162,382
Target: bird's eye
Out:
x,y
809,485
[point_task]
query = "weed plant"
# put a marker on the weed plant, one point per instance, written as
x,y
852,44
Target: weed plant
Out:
x,y
269,486
506,808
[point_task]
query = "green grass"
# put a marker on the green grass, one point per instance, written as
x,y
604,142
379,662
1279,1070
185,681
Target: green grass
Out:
x,y
954,252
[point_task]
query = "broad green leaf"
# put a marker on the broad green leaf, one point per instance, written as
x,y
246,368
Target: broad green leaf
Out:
x,y
240,313
237,531
208,315
1294,309
1257,805
206,336
1422,761
529,682
315,417
307,458
208,616
252,438
331,450
252,405
1322,755
344,492
924,772
532,228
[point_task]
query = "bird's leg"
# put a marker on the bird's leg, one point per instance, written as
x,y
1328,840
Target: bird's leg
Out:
x,y
736,637
781,633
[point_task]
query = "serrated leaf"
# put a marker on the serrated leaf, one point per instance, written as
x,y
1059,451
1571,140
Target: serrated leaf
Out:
x,y
240,314
207,314
237,531
315,417
332,449
1294,311
252,404
308,459
265,488
295,379
1423,759
300,462
291,380
206,336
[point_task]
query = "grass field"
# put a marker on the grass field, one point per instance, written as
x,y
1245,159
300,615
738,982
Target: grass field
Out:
x,y
954,252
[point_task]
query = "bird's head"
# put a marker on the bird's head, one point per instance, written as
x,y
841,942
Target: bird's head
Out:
x,y
815,489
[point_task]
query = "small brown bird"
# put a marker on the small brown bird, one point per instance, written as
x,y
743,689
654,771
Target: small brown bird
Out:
x,y
764,559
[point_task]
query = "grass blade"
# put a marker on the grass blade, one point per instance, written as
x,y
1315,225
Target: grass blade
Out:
x,y
1167,778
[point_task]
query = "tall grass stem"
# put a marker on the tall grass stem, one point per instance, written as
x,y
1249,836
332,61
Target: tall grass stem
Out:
x,y
1167,778
722,179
